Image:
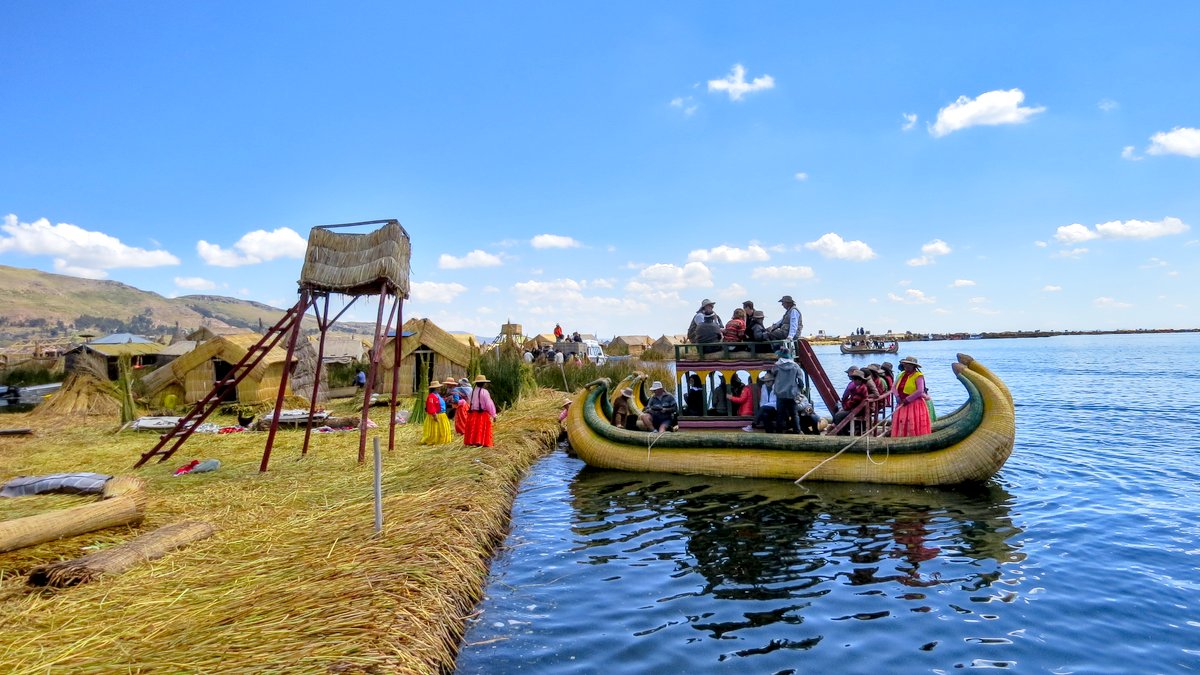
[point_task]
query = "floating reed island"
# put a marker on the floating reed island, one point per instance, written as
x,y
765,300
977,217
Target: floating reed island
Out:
x,y
293,579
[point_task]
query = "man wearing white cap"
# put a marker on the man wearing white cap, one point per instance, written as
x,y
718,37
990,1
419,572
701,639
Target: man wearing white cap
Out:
x,y
660,409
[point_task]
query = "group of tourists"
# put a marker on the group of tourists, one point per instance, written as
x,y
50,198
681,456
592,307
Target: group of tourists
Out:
x,y
747,324
547,354
470,408
783,407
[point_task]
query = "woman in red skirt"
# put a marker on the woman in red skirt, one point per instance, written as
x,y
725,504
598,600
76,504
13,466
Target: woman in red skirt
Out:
x,y
481,413
912,414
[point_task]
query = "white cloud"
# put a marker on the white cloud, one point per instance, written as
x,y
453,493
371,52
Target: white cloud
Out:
x,y
600,283
254,247
962,283
801,176
936,247
910,121
912,296
1073,253
988,109
195,283
831,245
1040,244
76,251
1127,152
553,241
1051,288
1178,141
729,254
783,272
920,262
1108,105
1110,303
736,86
476,258
978,300
820,302
565,298
1117,229
436,292
668,277
685,103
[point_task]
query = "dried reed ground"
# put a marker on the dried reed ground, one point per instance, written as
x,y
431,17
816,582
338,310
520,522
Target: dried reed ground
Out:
x,y
293,580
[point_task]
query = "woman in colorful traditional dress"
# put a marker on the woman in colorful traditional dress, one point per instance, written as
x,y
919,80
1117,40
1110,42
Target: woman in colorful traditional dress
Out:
x,y
481,413
912,414
436,427
461,419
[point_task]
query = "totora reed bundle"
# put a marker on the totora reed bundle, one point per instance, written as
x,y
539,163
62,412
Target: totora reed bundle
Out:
x,y
120,558
123,503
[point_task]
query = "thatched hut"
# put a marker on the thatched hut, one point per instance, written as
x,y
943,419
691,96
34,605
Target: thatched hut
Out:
x,y
341,352
101,356
424,346
212,329
540,340
632,345
191,376
666,344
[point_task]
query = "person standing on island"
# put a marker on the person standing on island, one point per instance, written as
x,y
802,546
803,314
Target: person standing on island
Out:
x,y
558,333
482,414
660,409
360,379
790,326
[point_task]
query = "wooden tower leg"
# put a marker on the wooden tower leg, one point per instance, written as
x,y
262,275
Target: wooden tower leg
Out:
x,y
323,325
362,425
287,363
395,373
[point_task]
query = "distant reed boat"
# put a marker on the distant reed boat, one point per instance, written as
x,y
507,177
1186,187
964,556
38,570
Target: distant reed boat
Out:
x,y
869,346
967,445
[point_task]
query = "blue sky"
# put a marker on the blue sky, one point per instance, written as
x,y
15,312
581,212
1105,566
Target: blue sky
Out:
x,y
916,166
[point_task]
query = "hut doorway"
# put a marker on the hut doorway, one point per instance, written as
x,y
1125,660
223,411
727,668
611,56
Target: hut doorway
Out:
x,y
423,364
221,370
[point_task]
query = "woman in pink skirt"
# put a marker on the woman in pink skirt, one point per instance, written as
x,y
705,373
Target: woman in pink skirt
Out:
x,y
912,414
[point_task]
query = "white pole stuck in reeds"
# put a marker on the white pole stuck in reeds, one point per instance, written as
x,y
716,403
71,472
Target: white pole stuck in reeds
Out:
x,y
378,489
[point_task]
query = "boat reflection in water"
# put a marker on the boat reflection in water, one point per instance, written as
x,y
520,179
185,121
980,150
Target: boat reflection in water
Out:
x,y
756,567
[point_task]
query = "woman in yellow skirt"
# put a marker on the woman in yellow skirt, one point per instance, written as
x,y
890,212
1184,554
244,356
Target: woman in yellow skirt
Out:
x,y
436,427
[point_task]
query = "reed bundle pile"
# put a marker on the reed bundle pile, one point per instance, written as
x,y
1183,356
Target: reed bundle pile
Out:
x,y
123,503
82,393
120,558
294,580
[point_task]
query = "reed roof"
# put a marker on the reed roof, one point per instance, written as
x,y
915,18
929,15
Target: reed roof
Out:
x,y
357,264
228,348
426,332
130,348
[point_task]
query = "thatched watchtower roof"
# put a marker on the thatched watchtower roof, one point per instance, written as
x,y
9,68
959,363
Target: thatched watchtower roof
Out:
x,y
357,264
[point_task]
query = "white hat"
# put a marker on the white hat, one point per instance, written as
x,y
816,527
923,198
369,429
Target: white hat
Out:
x,y
656,386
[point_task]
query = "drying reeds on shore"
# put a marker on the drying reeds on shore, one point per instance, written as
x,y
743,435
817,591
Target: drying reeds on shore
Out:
x,y
293,580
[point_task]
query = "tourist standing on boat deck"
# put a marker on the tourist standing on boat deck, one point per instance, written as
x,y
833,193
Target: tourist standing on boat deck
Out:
x,y
787,388
436,427
735,330
660,409
481,414
748,308
912,413
790,326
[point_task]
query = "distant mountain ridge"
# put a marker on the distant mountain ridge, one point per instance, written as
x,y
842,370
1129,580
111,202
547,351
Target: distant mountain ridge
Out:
x,y
41,304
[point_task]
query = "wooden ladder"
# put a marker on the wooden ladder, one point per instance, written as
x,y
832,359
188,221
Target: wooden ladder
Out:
x,y
808,360
187,425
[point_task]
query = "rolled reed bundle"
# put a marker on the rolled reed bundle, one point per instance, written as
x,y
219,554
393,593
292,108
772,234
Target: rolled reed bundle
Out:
x,y
115,560
123,503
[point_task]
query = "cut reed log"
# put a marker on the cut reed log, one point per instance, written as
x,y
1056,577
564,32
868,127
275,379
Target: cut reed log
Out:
x,y
123,503
115,560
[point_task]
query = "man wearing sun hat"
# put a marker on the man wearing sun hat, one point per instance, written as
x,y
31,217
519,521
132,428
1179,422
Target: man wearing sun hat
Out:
x,y
622,416
660,409
704,315
791,325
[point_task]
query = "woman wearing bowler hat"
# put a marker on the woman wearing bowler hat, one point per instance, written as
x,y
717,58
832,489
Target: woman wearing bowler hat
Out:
x,y
911,417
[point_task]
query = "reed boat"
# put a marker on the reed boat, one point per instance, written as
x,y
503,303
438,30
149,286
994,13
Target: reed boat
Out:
x,y
852,348
967,445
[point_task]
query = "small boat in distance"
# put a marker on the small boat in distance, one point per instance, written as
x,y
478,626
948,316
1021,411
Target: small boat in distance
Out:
x,y
869,345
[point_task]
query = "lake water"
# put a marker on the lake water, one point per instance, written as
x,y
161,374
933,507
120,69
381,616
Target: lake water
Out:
x,y
1081,556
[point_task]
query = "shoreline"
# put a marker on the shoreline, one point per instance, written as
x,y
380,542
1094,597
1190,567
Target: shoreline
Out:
x,y
293,579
